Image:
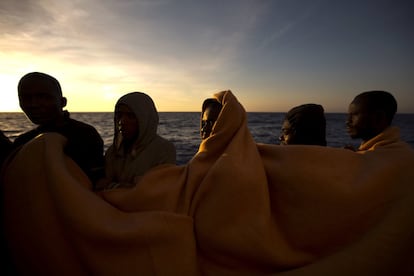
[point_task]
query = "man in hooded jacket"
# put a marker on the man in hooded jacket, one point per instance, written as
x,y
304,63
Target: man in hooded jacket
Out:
x,y
136,147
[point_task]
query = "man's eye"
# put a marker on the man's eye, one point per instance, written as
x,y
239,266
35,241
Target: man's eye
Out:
x,y
129,115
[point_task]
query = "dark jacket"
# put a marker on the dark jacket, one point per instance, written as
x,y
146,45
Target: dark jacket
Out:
x,y
5,146
84,146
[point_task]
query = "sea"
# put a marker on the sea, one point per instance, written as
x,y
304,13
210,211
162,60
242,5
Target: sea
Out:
x,y
182,128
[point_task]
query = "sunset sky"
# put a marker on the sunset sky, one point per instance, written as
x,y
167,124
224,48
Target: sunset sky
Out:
x,y
273,54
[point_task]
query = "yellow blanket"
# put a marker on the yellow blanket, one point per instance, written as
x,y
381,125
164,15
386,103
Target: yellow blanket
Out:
x,y
237,208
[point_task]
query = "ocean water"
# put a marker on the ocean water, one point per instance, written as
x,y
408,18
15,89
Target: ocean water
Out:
x,y
182,128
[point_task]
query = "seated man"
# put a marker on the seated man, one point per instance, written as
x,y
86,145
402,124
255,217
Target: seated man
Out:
x,y
304,125
137,147
369,115
209,113
40,97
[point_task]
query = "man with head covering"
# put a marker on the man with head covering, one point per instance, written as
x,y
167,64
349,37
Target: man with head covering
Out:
x,y
136,147
370,115
304,125
209,113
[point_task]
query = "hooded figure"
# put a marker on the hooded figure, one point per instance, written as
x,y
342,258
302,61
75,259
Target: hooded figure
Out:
x,y
304,125
137,147
209,113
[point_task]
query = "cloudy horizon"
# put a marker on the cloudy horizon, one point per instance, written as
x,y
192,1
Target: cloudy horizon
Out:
x,y
271,54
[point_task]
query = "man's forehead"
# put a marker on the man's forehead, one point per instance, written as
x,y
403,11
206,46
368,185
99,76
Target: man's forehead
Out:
x,y
358,106
38,86
212,108
123,108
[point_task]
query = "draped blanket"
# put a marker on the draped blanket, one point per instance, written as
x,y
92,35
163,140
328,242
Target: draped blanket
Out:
x,y
237,208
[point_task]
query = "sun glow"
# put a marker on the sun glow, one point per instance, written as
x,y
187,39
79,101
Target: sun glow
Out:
x,y
9,101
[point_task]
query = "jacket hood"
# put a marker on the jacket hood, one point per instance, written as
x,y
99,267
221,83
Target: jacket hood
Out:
x,y
147,118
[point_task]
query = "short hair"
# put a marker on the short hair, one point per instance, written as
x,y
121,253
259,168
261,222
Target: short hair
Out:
x,y
211,102
40,76
378,100
309,123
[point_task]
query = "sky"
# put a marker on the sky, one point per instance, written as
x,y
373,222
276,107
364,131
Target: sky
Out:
x,y
272,54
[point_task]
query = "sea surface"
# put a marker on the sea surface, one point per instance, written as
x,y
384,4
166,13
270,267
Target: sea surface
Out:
x,y
182,128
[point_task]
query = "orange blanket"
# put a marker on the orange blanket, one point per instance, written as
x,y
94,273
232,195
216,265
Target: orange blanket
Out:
x,y
237,208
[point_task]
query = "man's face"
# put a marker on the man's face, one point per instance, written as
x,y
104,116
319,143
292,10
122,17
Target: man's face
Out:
x,y
360,122
210,116
40,101
127,122
287,134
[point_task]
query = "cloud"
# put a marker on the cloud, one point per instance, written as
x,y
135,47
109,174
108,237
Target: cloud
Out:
x,y
186,47
174,34
22,16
